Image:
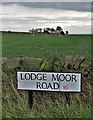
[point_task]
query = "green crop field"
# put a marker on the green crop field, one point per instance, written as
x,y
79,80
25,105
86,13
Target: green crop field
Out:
x,y
40,46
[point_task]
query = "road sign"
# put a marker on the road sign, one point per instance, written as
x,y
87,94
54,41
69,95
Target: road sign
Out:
x,y
48,81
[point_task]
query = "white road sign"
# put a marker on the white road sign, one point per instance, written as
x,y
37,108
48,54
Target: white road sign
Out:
x,y
47,81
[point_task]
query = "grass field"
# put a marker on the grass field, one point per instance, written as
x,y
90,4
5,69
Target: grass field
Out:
x,y
45,104
20,45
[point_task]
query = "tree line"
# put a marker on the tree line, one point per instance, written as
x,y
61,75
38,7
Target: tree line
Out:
x,y
47,31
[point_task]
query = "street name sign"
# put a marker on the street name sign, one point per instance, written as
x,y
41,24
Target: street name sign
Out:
x,y
48,81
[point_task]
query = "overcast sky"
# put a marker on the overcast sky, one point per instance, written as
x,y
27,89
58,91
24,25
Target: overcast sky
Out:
x,y
47,0
72,16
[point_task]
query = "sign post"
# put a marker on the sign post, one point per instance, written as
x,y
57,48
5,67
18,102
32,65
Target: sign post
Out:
x,y
48,81
30,98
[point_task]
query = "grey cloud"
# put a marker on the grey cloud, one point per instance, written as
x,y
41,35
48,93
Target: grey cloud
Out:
x,y
47,0
41,19
75,18
78,6
82,19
